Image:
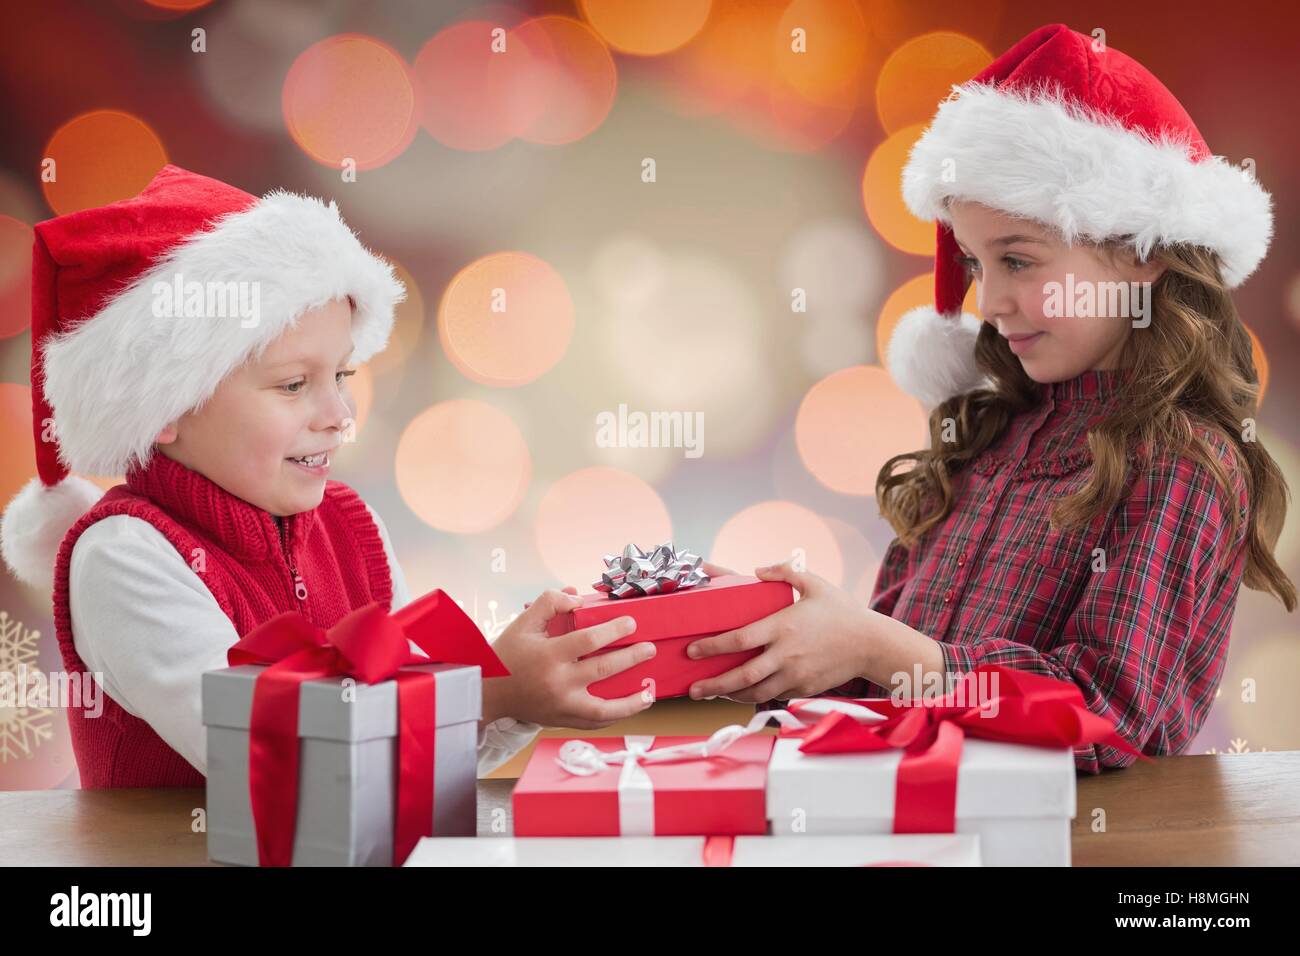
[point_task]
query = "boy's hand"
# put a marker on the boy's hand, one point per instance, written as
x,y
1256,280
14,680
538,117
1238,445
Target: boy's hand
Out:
x,y
817,643
547,682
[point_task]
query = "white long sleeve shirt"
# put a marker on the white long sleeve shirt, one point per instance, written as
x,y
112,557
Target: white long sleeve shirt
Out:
x,y
146,625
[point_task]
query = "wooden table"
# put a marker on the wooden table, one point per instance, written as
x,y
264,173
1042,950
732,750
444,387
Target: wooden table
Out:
x,y
1211,810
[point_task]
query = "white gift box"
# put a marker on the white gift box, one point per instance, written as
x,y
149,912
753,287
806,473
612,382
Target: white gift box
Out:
x,y
1018,799
894,849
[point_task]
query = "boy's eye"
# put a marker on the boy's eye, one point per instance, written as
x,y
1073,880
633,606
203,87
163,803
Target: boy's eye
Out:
x,y
969,263
293,388
1014,264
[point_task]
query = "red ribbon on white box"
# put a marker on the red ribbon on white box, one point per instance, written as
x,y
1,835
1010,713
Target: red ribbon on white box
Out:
x,y
1019,708
1028,709
636,799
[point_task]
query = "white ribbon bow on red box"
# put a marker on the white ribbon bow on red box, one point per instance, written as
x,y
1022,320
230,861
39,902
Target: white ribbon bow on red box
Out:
x,y
636,806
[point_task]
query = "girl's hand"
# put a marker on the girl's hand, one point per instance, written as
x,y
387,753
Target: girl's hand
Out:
x,y
817,643
547,682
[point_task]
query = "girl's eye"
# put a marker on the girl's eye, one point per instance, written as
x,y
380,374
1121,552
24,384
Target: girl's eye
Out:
x,y
971,264
293,387
344,374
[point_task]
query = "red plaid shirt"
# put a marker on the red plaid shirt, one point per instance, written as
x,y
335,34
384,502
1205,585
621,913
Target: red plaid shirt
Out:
x,y
1144,636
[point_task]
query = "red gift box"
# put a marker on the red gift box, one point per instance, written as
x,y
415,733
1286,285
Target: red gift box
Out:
x,y
672,621
721,795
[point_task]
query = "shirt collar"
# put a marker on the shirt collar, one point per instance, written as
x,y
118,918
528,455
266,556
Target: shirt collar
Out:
x,y
241,528
1090,386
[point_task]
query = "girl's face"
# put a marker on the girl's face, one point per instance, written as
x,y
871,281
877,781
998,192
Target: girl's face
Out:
x,y
1063,309
291,403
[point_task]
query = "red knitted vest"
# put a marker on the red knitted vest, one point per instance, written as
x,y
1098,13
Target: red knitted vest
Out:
x,y
248,562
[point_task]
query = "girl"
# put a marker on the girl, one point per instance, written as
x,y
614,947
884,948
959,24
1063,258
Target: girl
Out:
x,y
1093,494
197,340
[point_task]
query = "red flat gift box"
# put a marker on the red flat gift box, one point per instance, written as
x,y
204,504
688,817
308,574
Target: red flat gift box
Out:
x,y
710,796
672,621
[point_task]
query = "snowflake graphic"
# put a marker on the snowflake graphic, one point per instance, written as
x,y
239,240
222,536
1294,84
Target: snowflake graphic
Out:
x,y
21,728
1236,746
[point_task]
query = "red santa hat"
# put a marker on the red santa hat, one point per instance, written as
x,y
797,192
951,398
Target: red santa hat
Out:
x,y
1080,137
109,373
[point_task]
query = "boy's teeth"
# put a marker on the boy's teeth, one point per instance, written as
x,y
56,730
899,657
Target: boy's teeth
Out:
x,y
312,461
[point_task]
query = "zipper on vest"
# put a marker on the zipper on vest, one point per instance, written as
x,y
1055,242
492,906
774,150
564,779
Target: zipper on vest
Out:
x,y
299,585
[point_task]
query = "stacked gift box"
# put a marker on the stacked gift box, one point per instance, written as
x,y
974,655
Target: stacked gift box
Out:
x,y
1017,800
326,772
1004,777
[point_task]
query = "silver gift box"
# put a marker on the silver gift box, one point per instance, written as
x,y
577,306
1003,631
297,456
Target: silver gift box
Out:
x,y
347,765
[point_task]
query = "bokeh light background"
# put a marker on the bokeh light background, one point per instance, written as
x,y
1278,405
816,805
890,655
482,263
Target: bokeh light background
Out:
x,y
523,170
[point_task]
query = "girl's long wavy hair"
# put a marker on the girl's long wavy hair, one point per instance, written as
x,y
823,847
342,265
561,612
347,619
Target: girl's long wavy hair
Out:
x,y
1192,368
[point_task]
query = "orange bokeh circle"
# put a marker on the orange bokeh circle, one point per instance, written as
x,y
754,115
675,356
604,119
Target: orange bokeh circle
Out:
x,y
920,74
851,422
99,158
506,319
15,276
882,195
827,68
573,73
593,512
475,89
350,97
462,466
773,532
18,464
646,29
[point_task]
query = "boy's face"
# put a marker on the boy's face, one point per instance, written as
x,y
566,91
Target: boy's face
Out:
x,y
291,403
1071,309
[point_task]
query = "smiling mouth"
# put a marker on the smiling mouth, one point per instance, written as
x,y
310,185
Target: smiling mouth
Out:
x,y
312,461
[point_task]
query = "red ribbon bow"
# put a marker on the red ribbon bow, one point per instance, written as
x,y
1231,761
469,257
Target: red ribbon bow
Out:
x,y
1026,709
370,645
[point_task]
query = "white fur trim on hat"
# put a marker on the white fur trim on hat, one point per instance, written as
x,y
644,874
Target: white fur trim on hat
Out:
x,y
117,378
932,357
1045,157
35,522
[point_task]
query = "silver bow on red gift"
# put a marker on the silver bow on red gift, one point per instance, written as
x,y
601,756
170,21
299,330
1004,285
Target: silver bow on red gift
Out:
x,y
636,573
